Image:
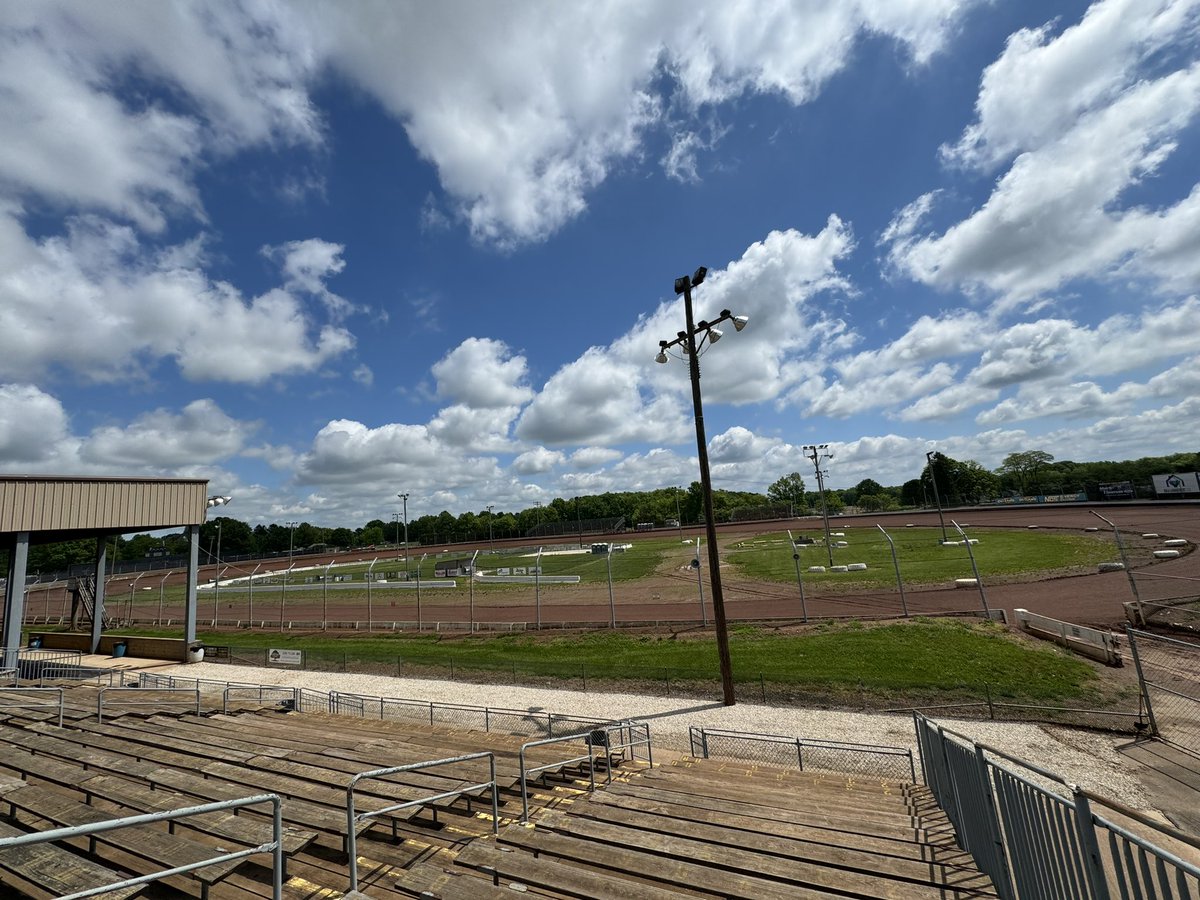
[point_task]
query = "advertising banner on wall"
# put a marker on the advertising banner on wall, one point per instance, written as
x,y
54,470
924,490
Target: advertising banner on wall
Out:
x,y
1176,484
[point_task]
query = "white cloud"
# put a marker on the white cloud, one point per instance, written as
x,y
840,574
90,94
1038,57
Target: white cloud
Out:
x,y
33,424
240,72
1042,84
200,434
98,302
594,457
522,126
1088,115
537,461
483,374
306,265
473,429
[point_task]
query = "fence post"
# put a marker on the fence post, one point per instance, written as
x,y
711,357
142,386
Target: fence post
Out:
x,y
987,686
762,686
583,672
1137,664
1090,846
800,754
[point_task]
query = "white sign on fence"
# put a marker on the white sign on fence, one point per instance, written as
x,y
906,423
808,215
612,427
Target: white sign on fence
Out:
x,y
285,657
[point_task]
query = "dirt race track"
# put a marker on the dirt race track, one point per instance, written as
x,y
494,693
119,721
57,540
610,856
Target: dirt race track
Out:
x,y
670,595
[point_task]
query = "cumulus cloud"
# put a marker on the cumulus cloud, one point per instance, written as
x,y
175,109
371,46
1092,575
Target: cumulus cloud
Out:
x,y
32,422
98,302
1082,127
483,374
537,461
306,265
594,457
201,434
521,129
241,69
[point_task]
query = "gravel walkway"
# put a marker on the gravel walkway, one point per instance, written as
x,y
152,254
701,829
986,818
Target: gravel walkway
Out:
x,y
1083,757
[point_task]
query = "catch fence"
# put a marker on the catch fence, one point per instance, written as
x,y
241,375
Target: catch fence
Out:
x,y
1169,673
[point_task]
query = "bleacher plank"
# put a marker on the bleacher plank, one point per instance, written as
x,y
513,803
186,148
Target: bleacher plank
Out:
x,y
765,823
56,870
840,857
670,873
148,849
523,868
796,872
820,816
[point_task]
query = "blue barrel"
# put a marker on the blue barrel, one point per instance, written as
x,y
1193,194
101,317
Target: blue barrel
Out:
x,y
119,648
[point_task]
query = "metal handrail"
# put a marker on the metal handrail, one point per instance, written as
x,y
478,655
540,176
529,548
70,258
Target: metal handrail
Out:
x,y
20,705
275,845
287,694
100,694
352,819
527,773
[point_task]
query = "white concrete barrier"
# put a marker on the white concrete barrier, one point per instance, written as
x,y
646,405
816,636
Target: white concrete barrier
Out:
x,y
1165,554
1091,642
816,569
1111,567
839,568
966,583
857,567
1175,542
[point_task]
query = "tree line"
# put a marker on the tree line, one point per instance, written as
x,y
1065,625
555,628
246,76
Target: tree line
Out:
x,y
957,483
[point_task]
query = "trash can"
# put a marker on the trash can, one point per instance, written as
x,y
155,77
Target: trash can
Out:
x,y
195,653
119,648
35,642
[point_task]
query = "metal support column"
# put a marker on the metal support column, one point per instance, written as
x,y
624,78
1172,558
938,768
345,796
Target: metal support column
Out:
x,y
14,598
98,599
189,603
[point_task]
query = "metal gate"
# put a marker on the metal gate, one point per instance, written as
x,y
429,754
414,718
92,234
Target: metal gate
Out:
x,y
1169,673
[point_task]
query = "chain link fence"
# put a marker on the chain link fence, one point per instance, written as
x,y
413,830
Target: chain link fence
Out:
x,y
1169,671
805,754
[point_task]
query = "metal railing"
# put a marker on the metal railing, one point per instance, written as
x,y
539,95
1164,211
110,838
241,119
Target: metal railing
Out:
x,y
274,846
157,703
528,772
487,718
1038,836
8,701
807,754
353,819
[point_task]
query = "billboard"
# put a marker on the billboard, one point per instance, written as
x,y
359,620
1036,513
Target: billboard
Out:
x,y
1117,490
1176,484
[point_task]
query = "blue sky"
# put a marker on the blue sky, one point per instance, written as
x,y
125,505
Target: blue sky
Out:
x,y
323,253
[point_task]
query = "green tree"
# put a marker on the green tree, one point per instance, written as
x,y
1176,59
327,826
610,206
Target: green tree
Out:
x,y
1023,469
790,490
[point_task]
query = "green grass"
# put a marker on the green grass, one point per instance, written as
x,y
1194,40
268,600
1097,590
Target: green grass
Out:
x,y
921,657
999,554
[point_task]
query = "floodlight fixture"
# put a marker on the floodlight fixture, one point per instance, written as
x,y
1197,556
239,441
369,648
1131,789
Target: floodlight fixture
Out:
x,y
217,501
714,335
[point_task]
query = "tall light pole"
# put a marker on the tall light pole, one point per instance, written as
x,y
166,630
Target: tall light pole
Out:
x,y
817,453
937,497
678,514
690,349
209,504
291,526
404,500
491,536
537,588
799,580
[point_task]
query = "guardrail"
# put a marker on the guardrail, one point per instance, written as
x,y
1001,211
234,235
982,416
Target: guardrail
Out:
x,y
873,760
352,819
274,846
1036,835
157,703
23,704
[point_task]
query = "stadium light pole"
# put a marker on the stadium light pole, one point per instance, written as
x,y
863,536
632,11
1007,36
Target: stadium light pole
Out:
x,y
404,499
678,513
817,453
689,349
937,497
291,526
491,536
